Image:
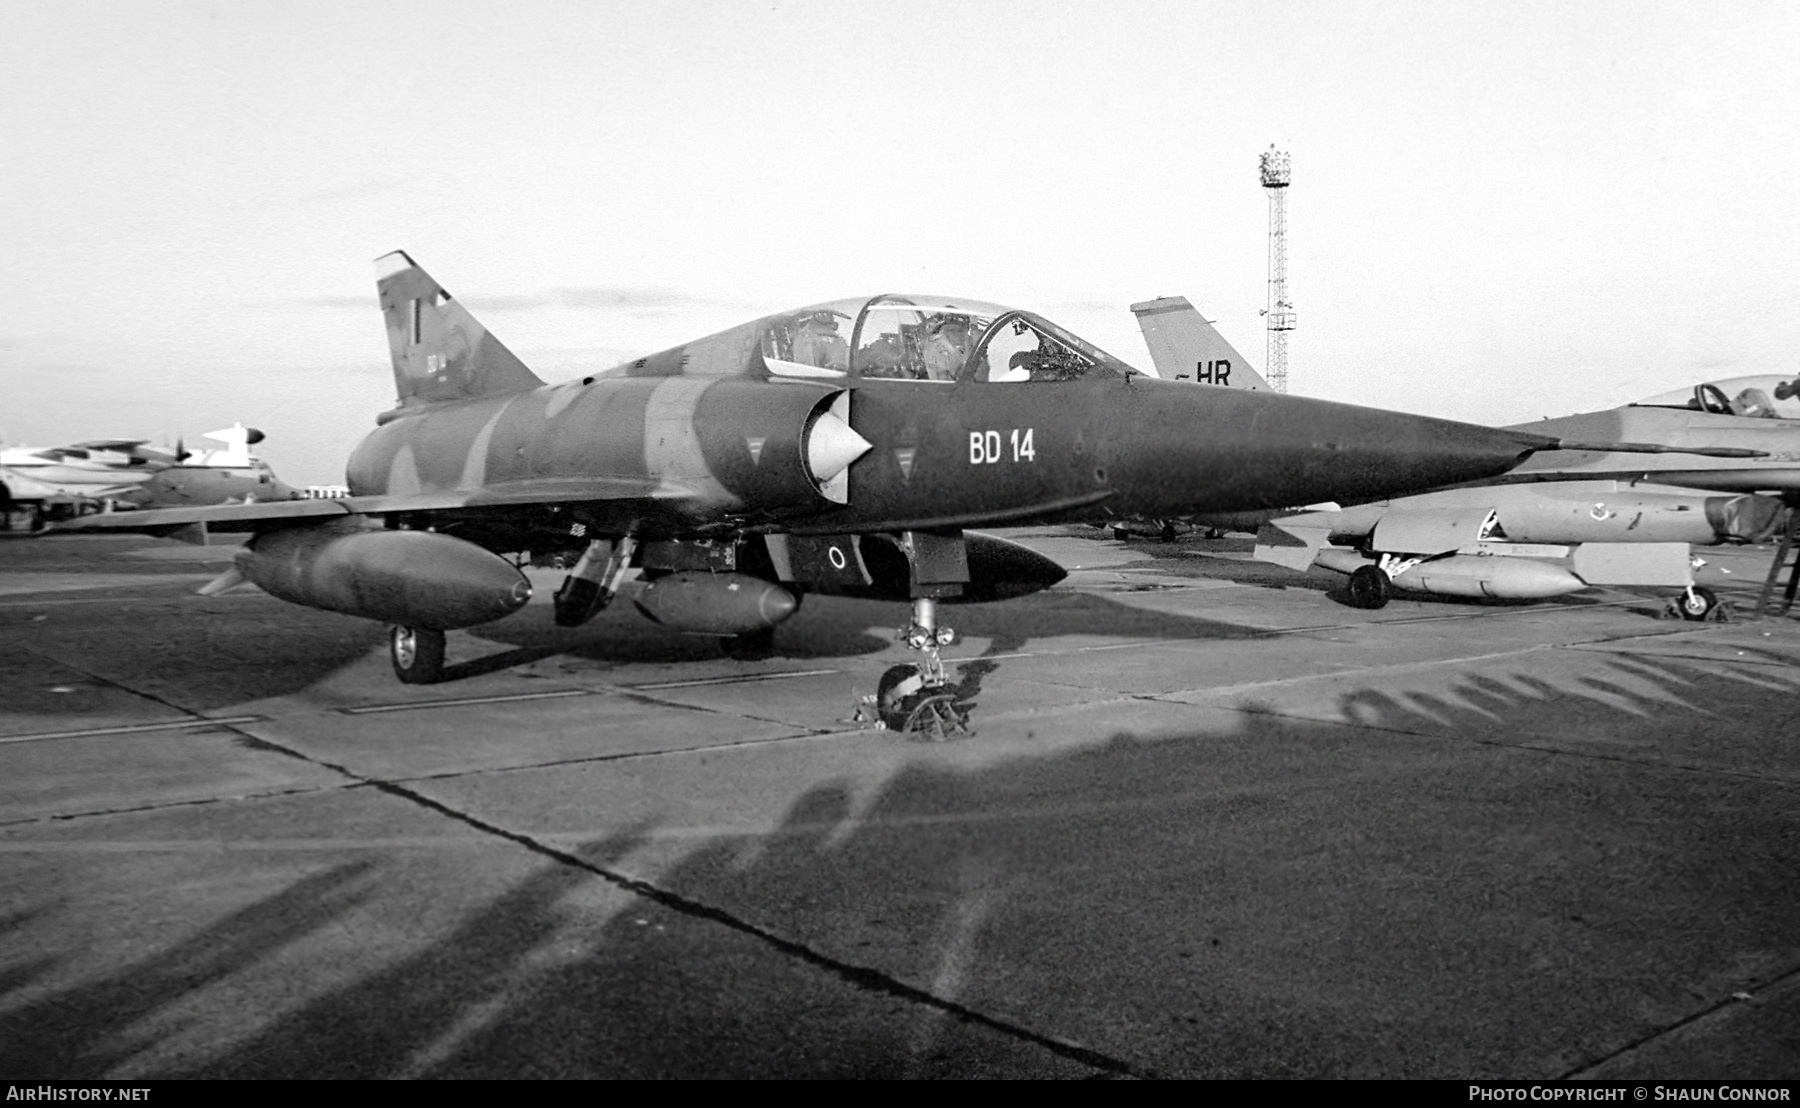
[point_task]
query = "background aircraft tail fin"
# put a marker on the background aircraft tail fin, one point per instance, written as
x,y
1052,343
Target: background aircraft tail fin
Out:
x,y
236,452
1184,346
440,351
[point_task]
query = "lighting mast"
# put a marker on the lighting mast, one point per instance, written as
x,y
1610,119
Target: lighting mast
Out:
x,y
1280,312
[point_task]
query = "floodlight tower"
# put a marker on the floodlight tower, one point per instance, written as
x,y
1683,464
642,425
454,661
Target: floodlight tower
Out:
x,y
1280,312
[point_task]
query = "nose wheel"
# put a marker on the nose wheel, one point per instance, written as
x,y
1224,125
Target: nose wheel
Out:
x,y
917,698
905,703
1698,603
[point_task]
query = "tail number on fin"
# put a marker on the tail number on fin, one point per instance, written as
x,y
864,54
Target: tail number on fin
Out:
x,y
1213,373
986,447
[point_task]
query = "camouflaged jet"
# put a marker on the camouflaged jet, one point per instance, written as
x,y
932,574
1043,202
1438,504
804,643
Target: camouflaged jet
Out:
x,y
845,448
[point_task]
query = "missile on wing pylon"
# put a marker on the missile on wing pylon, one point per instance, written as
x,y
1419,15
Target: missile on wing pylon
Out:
x,y
412,578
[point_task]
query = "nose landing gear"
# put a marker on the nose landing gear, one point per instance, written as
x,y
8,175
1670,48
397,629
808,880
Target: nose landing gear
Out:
x,y
1698,603
917,699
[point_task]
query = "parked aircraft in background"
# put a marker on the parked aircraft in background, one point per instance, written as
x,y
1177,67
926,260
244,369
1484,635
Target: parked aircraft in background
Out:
x,y
843,448
112,474
1555,523
220,476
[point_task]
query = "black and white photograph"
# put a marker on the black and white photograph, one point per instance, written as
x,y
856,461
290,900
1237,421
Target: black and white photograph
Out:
x,y
901,539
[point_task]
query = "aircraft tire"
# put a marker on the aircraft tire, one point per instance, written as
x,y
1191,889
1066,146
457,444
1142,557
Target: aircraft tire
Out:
x,y
898,687
1697,603
1369,588
417,654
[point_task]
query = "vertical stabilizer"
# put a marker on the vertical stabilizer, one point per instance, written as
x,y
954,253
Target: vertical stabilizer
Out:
x,y
1184,346
236,451
440,351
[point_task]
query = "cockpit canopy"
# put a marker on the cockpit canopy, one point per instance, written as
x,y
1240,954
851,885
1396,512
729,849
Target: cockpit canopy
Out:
x,y
1768,397
929,338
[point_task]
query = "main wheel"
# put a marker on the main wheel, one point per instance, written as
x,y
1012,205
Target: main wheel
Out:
x,y
1697,603
418,654
1369,588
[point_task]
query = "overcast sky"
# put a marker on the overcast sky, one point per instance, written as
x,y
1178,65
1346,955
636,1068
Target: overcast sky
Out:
x,y
1499,211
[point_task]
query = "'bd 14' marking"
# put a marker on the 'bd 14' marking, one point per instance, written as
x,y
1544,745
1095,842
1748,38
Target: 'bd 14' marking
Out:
x,y
986,446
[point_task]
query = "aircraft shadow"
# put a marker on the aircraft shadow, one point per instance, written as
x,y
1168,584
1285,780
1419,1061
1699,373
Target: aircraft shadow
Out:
x,y
829,627
1430,885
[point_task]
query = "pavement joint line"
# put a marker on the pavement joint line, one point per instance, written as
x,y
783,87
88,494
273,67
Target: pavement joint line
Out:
x,y
636,755
1424,663
863,977
129,729
465,701
695,682
193,802
1691,1018
1745,658
1276,632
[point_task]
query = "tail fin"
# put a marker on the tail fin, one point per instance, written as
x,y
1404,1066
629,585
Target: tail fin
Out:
x,y
440,352
236,452
1184,346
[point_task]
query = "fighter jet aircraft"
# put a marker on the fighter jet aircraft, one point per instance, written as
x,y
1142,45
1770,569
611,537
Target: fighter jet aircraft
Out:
x,y
109,474
43,483
1554,524
843,448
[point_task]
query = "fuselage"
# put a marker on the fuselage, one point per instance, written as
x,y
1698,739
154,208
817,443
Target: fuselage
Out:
x,y
940,454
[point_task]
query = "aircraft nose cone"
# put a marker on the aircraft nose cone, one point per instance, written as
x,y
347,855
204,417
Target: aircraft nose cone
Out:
x,y
1219,450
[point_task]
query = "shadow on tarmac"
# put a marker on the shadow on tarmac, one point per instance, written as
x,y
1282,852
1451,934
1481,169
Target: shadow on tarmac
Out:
x,y
1449,884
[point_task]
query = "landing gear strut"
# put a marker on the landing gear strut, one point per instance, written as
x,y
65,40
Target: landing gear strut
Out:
x,y
918,698
591,585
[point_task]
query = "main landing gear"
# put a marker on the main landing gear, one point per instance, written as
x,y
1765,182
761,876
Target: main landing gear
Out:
x,y
917,699
417,653
593,582
1369,588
